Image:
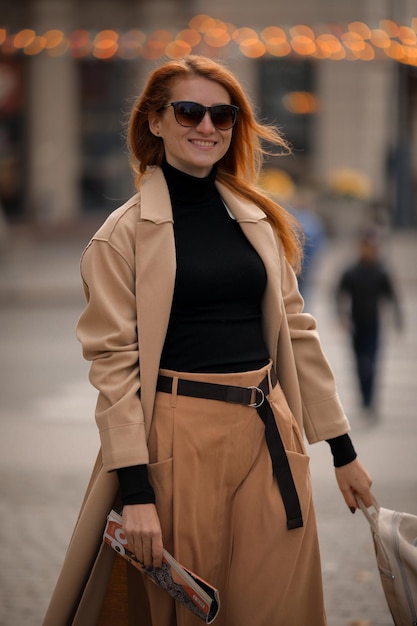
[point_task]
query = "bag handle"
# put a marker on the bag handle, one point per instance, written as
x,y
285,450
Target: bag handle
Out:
x,y
371,513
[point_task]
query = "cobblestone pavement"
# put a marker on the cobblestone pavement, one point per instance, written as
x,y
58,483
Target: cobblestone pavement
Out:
x,y
48,440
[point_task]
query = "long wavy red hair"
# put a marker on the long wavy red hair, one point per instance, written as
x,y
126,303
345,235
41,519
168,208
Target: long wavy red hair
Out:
x,y
240,166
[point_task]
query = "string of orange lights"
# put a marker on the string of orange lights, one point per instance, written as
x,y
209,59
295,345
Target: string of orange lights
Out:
x,y
213,37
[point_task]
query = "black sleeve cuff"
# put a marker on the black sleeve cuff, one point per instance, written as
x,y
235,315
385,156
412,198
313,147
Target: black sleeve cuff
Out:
x,y
342,450
135,487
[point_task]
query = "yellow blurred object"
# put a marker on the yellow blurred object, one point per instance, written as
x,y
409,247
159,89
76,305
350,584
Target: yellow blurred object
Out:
x,y
348,182
277,182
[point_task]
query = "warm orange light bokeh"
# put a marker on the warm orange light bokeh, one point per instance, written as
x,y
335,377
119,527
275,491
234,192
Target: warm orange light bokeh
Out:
x,y
301,30
53,38
35,46
379,38
407,35
300,102
24,38
177,49
189,35
354,41
252,48
303,45
273,35
217,37
360,28
330,47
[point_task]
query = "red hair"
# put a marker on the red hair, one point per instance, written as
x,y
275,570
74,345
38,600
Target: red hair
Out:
x,y
240,166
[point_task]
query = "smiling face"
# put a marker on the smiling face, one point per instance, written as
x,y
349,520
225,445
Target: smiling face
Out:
x,y
193,150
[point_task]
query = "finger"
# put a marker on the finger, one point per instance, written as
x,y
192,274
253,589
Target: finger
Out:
x,y
137,550
147,559
134,546
366,497
157,553
130,545
350,500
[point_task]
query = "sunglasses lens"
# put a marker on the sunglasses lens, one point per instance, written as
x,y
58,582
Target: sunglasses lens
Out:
x,y
189,113
223,116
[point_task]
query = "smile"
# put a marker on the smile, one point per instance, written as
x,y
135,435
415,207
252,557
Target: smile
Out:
x,y
202,143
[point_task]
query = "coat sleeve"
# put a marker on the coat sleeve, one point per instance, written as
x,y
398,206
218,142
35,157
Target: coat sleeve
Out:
x,y
107,330
322,412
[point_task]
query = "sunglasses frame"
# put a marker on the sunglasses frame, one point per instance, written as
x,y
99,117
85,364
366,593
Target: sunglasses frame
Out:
x,y
234,111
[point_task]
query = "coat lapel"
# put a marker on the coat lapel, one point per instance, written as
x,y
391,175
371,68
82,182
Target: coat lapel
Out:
x,y
257,230
155,278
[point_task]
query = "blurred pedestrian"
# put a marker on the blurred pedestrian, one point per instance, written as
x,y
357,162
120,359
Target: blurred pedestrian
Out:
x,y
362,291
314,242
199,350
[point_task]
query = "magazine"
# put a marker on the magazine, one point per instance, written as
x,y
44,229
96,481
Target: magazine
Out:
x,y
182,584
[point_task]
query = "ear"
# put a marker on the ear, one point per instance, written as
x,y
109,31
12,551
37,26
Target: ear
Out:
x,y
154,123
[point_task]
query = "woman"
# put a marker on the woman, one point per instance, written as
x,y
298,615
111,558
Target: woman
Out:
x,y
199,349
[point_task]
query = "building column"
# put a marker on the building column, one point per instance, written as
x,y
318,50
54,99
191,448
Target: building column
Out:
x,y
53,110
354,127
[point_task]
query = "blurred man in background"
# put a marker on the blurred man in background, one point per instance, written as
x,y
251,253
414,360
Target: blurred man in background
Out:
x,y
362,291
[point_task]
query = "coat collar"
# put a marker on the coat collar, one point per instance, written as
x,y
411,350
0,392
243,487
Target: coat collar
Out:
x,y
159,209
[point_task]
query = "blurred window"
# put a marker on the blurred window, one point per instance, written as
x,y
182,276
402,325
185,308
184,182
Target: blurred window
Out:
x,y
287,99
11,137
106,178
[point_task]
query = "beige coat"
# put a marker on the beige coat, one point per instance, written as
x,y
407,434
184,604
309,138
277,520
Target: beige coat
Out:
x,y
128,270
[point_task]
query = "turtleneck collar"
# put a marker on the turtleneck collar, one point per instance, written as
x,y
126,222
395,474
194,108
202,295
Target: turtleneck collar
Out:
x,y
186,188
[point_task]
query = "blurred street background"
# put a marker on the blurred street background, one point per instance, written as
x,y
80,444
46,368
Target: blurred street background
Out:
x,y
340,79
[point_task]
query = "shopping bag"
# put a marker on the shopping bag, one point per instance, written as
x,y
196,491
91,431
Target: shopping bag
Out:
x,y
395,541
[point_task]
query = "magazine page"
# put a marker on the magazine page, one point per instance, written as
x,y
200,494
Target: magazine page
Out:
x,y
183,585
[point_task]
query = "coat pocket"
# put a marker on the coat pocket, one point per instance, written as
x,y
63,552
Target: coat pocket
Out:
x,y
286,422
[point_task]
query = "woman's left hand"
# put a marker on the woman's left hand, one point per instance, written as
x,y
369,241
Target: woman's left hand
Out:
x,y
354,480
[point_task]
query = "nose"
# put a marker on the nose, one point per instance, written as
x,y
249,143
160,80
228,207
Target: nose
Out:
x,y
206,125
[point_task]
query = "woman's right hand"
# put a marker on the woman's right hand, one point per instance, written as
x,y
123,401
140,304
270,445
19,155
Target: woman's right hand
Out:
x,y
142,529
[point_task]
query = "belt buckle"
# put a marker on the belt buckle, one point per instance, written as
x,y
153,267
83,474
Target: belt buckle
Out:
x,y
259,403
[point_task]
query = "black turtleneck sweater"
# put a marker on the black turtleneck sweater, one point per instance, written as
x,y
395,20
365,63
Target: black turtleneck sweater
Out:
x,y
216,321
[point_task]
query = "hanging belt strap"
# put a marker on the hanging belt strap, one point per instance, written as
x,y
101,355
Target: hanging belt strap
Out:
x,y
255,397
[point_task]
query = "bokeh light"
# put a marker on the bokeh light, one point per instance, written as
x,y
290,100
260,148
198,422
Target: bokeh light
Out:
x,y
354,41
177,49
300,102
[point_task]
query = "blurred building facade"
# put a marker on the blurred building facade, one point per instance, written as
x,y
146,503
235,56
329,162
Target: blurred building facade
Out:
x,y
339,78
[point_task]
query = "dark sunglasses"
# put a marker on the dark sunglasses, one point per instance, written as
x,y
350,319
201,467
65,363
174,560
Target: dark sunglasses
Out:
x,y
191,114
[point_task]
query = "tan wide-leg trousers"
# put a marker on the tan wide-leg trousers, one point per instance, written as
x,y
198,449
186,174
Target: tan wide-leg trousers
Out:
x,y
221,510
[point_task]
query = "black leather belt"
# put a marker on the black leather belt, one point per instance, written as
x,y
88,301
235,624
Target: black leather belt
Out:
x,y
255,397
